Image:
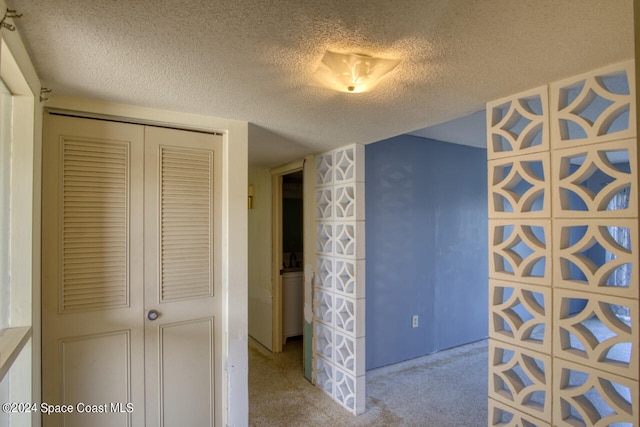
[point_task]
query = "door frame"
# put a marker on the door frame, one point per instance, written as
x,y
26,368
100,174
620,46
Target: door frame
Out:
x,y
276,248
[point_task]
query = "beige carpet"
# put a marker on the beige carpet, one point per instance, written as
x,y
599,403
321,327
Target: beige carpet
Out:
x,y
446,389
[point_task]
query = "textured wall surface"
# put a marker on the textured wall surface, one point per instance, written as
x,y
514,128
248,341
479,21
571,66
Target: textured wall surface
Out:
x,y
426,254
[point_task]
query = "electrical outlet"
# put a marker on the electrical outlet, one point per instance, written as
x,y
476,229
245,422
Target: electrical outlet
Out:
x,y
414,321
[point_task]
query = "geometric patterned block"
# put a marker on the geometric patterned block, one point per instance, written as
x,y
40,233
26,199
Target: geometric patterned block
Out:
x,y
596,335
345,240
520,315
587,256
346,202
346,348
324,306
505,416
348,389
324,203
346,168
345,315
518,124
324,169
349,316
587,397
520,378
345,353
347,244
324,375
594,107
349,202
590,177
345,389
323,341
324,238
324,277
349,277
519,251
519,186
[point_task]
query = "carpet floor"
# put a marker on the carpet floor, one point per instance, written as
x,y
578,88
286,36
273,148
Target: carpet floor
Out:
x,y
445,389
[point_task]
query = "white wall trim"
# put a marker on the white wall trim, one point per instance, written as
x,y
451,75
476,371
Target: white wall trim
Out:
x,y
18,73
276,249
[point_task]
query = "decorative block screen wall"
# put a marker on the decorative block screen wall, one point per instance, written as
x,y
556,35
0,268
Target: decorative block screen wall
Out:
x,y
339,304
563,245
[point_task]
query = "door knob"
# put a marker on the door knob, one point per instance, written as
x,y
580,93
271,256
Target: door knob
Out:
x,y
153,314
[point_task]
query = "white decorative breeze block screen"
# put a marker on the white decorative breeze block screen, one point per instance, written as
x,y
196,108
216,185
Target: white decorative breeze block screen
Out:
x,y
339,300
563,245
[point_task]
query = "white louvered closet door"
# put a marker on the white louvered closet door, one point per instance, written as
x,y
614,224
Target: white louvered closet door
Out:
x,y
182,223
130,223
92,295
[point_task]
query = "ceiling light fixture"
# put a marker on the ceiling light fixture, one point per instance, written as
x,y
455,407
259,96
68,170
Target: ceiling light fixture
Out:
x,y
352,72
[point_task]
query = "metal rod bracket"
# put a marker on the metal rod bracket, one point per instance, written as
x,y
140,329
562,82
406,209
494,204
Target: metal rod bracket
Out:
x,y
43,92
12,15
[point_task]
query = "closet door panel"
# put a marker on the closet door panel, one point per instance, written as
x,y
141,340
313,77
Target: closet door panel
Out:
x,y
182,277
92,299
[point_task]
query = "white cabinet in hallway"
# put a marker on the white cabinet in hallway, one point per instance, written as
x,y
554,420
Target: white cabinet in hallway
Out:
x,y
292,304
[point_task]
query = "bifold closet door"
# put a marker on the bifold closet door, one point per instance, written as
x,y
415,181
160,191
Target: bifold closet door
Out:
x,y
92,293
131,274
182,277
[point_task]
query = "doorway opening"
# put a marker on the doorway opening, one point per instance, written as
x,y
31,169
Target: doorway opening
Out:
x,y
292,256
287,276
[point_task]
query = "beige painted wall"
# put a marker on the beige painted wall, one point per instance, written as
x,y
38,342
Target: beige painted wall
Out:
x,y
260,313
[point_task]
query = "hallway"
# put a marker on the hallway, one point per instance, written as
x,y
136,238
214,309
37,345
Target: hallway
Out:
x,y
445,389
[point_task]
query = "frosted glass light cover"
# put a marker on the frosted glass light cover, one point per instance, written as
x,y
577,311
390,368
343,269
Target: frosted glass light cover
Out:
x,y
350,72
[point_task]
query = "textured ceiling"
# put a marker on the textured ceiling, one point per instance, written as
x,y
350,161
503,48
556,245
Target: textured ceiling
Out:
x,y
253,60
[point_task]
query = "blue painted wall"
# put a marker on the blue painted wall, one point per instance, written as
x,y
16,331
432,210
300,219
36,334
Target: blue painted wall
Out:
x,y
426,245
